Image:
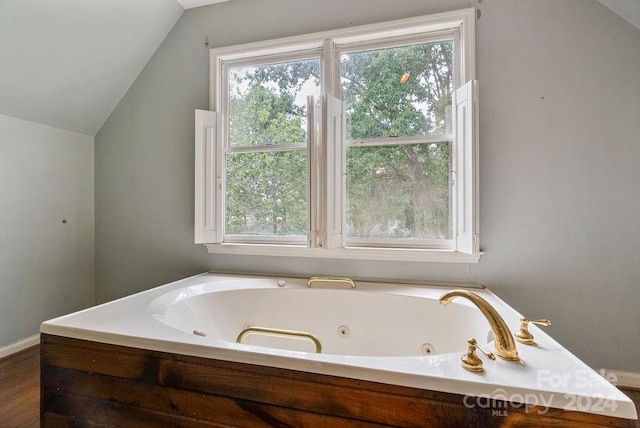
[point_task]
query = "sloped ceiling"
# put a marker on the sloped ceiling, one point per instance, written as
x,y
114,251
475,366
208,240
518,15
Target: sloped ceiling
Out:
x,y
628,9
188,4
67,63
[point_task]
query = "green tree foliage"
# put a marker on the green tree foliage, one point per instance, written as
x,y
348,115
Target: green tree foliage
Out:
x,y
393,191
380,104
262,117
266,193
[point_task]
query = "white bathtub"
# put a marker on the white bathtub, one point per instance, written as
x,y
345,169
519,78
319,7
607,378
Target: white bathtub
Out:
x,y
389,333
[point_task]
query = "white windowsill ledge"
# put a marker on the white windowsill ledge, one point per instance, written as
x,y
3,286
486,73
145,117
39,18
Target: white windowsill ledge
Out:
x,y
383,254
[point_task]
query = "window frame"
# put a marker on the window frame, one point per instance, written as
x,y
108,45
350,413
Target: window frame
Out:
x,y
459,25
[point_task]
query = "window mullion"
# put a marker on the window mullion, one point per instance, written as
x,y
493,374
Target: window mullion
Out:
x,y
330,70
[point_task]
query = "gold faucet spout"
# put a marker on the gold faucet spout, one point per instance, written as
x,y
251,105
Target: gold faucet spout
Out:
x,y
505,345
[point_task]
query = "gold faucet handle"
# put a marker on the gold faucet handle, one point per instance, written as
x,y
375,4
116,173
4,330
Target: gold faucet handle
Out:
x,y
470,360
523,335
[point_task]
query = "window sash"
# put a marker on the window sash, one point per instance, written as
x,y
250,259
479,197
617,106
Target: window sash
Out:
x,y
228,149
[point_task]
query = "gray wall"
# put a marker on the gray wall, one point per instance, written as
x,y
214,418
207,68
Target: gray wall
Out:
x,y
46,266
559,133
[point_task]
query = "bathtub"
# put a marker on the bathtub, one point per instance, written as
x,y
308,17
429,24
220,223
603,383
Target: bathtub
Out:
x,y
393,337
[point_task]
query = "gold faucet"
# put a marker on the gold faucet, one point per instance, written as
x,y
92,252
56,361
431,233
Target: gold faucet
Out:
x,y
505,345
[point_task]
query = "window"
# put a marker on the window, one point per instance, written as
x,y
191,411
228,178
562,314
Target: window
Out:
x,y
398,144
356,143
267,148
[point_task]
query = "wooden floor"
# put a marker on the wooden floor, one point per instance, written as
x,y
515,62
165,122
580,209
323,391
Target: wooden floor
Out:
x,y
20,390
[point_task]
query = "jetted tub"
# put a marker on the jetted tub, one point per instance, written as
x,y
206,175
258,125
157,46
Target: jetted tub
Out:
x,y
378,339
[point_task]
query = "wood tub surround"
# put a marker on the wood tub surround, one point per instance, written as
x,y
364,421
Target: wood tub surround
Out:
x,y
87,383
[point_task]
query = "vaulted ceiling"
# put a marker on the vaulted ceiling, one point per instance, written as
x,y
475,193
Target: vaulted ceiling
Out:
x,y
67,63
628,9
188,4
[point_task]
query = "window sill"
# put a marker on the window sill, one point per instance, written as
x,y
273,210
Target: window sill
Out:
x,y
390,254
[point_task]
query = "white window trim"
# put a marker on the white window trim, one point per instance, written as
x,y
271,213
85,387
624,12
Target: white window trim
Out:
x,y
209,188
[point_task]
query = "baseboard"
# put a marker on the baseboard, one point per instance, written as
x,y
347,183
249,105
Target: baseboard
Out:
x,y
622,379
20,345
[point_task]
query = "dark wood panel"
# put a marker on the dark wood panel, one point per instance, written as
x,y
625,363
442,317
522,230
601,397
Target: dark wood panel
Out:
x,y
170,401
103,383
288,390
111,412
59,421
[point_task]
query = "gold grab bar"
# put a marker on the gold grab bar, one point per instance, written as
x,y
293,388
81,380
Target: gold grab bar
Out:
x,y
276,331
330,279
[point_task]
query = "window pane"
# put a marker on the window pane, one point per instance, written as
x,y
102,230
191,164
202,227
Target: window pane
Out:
x,y
399,191
401,91
267,193
267,103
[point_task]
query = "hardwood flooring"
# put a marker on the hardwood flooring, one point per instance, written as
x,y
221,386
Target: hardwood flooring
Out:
x,y
20,390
